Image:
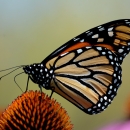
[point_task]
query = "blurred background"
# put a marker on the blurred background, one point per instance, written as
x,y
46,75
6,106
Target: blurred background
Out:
x,y
31,30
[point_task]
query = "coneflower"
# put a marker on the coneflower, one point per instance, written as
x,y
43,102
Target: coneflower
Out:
x,y
35,111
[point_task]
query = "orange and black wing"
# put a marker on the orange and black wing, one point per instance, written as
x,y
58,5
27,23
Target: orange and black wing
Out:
x,y
114,36
88,77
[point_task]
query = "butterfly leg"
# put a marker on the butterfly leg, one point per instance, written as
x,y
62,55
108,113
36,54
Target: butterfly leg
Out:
x,y
40,88
27,84
40,97
52,91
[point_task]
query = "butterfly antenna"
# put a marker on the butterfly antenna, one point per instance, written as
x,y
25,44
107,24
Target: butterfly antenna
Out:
x,y
16,82
10,71
12,68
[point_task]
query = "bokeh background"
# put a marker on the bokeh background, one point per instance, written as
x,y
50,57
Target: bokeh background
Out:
x,y
31,30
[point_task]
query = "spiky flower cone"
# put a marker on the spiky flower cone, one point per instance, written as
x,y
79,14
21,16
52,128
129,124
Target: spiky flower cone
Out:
x,y
34,111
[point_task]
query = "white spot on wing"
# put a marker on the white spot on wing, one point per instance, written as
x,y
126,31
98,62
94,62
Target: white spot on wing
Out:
x,y
109,100
87,31
115,80
87,47
125,54
110,56
99,104
41,70
79,50
82,40
109,92
120,50
105,97
90,33
114,75
99,26
105,103
100,40
103,107
64,54
101,29
115,89
127,22
89,109
51,71
112,63
110,34
95,107
99,48
110,29
103,53
101,99
75,39
109,52
111,87
95,36
120,58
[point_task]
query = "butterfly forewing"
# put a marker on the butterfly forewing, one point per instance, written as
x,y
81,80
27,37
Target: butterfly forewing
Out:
x,y
114,36
88,80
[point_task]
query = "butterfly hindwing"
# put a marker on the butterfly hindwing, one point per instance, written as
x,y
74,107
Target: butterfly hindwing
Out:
x,y
87,77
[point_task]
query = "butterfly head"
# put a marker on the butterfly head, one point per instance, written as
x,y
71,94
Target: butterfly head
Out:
x,y
39,74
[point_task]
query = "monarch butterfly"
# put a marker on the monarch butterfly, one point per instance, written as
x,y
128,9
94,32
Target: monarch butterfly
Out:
x,y
88,77
86,70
